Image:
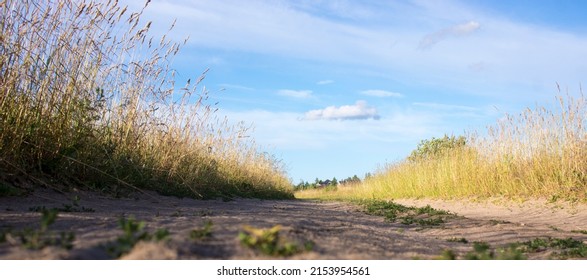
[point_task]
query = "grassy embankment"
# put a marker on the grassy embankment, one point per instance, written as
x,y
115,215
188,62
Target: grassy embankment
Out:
x,y
540,153
89,99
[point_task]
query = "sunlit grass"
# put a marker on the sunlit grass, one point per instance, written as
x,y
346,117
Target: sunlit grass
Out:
x,y
540,153
88,97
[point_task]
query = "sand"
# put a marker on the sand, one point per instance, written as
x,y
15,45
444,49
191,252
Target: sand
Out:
x,y
338,230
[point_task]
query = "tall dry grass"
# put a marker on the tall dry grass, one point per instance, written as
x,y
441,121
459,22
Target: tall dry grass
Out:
x,y
539,153
88,97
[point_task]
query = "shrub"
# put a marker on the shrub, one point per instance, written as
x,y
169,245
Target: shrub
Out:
x,y
435,147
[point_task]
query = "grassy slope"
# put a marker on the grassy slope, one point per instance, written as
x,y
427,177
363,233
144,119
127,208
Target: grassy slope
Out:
x,y
87,97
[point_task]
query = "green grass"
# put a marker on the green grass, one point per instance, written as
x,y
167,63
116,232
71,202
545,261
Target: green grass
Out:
x,y
39,238
83,107
133,232
458,240
482,251
499,222
201,233
559,248
7,190
270,242
424,216
566,248
64,208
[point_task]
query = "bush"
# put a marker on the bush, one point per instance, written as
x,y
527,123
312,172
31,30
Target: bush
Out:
x,y
437,146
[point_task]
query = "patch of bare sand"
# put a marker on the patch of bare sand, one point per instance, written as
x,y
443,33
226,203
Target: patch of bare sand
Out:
x,y
338,230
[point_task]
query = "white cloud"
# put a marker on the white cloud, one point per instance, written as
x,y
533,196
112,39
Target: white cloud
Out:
x,y
286,131
381,93
359,111
325,82
302,94
453,31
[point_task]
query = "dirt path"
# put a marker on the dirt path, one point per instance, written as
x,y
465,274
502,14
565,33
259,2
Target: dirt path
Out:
x,y
337,230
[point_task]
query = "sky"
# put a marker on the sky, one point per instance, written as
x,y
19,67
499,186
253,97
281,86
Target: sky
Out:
x,y
338,88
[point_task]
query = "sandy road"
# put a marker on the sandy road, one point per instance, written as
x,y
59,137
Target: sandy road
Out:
x,y
338,230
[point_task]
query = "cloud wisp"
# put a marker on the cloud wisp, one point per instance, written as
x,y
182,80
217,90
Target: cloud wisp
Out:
x,y
380,93
325,82
359,111
445,107
458,30
301,94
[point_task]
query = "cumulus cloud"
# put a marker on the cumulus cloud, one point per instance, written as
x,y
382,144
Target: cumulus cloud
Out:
x,y
295,93
381,93
359,111
453,31
325,82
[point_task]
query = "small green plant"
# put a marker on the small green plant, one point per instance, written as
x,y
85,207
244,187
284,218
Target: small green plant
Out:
x,y
459,240
64,208
482,251
3,234
177,213
499,222
269,242
42,237
203,213
133,232
7,190
424,216
582,231
566,248
448,254
201,233
554,228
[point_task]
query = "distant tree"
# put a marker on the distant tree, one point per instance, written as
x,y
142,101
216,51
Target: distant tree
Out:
x,y
334,182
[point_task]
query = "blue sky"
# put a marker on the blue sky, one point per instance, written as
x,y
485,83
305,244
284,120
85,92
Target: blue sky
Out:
x,y
337,88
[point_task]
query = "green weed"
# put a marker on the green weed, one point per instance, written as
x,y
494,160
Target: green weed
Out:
x,y
459,240
42,237
499,222
7,190
133,232
201,233
566,248
424,216
562,249
269,242
554,228
64,208
482,251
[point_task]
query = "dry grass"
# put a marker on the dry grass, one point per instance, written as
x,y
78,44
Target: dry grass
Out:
x,y
540,153
88,97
